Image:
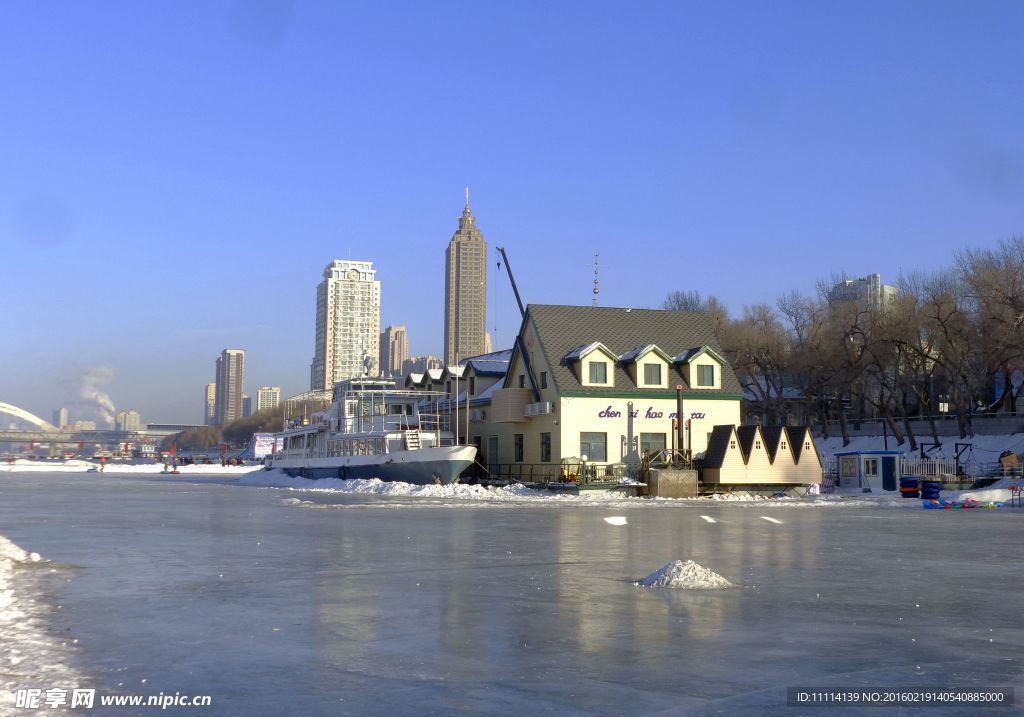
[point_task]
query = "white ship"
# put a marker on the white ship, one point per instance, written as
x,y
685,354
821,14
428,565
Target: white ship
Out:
x,y
374,430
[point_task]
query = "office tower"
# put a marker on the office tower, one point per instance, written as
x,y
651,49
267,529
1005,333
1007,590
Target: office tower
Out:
x,y
230,375
267,397
211,404
394,350
465,291
60,417
347,324
246,405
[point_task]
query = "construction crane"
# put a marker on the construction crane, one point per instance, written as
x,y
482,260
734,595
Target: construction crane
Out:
x,y
519,337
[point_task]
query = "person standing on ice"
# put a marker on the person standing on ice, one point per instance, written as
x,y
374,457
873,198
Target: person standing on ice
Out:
x,y
103,463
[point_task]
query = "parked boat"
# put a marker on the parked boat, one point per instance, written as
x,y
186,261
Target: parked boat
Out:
x,y
374,430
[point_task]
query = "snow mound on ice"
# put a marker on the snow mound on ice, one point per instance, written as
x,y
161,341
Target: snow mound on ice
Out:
x,y
30,655
689,575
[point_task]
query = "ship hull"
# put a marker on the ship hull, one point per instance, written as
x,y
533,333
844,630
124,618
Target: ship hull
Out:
x,y
424,466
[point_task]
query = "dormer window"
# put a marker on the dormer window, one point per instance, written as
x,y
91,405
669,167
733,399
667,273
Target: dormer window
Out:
x,y
593,363
706,376
652,374
702,367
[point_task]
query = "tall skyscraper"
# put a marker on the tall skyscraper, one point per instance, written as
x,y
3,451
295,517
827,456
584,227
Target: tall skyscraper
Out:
x,y
230,375
394,350
267,397
465,291
60,417
347,323
211,404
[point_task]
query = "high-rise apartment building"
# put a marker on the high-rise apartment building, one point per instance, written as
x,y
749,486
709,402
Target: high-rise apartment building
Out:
x,y
267,397
60,417
394,350
465,291
246,405
868,291
211,404
128,421
347,324
230,375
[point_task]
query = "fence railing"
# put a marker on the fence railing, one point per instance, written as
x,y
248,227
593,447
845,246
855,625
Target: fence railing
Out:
x,y
565,473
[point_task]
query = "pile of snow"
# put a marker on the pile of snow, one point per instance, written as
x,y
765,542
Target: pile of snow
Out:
x,y
688,575
375,486
31,656
998,492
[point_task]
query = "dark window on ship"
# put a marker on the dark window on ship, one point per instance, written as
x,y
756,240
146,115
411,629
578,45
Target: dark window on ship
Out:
x,y
518,448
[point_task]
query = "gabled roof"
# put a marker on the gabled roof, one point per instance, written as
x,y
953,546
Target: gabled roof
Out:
x,y
772,437
413,379
797,436
690,354
453,371
564,332
434,374
640,351
746,436
580,351
718,446
492,364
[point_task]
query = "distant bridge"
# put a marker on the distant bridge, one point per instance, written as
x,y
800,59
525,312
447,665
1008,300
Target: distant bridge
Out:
x,y
26,416
44,432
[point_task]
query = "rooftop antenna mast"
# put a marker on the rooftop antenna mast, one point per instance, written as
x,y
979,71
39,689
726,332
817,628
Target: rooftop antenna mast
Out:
x,y
597,289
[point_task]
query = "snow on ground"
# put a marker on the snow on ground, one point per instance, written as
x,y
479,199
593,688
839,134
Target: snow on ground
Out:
x,y
23,465
521,494
31,656
688,575
985,449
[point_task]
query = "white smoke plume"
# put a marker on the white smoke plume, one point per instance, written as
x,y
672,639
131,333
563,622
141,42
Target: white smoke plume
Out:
x,y
91,402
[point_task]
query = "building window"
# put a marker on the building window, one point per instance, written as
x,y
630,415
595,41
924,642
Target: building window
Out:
x,y
594,446
652,374
472,385
543,379
651,442
871,466
518,447
522,381
598,371
705,375
732,444
545,448
757,445
782,445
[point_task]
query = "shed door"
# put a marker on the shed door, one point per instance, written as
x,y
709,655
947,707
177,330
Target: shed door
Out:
x,y
888,472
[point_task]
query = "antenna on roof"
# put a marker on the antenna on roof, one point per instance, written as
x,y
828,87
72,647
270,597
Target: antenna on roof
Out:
x,y
597,289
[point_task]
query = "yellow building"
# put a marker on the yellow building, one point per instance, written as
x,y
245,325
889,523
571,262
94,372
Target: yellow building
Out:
x,y
605,383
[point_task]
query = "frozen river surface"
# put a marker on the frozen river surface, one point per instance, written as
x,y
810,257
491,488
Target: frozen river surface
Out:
x,y
277,602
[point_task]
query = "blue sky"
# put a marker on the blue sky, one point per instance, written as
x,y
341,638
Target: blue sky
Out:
x,y
174,177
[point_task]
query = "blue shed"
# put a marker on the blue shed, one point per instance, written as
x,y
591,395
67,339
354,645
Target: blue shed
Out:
x,y
869,470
